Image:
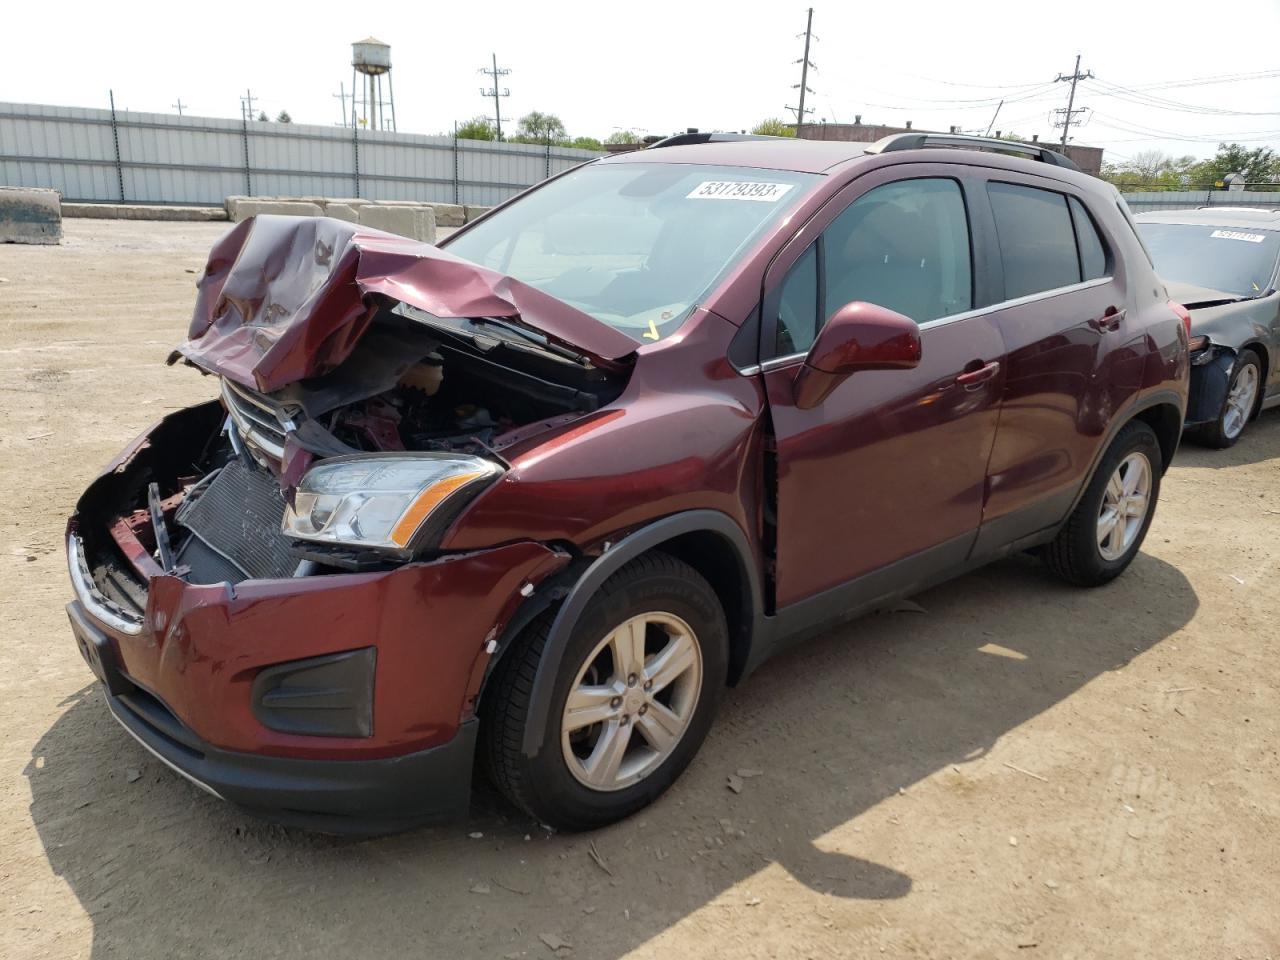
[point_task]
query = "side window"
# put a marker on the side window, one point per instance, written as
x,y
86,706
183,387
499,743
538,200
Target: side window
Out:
x,y
1093,253
1037,242
798,306
904,246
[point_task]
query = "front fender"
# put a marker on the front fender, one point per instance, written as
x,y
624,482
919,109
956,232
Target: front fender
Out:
x,y
618,555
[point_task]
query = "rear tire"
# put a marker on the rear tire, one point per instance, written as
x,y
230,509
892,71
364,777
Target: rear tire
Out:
x,y
1106,529
1244,387
654,708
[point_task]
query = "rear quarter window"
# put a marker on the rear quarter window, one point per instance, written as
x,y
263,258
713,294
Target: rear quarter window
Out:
x,y
1093,252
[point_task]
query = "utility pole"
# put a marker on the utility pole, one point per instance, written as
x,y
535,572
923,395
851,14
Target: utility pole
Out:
x,y
1068,114
995,116
246,104
179,105
805,64
494,72
342,95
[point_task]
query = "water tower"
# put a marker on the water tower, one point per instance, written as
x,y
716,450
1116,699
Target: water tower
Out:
x,y
372,60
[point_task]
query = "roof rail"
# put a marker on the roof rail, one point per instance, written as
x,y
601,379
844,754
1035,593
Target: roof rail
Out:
x,y
682,139
918,141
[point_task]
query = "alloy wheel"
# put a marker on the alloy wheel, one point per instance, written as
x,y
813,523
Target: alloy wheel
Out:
x,y
1240,401
1125,503
632,701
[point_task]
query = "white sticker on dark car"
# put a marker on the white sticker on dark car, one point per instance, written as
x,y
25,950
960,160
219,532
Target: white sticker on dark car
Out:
x,y
1238,235
738,190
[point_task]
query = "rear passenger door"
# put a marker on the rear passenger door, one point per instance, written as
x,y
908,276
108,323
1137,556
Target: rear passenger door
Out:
x,y
1073,360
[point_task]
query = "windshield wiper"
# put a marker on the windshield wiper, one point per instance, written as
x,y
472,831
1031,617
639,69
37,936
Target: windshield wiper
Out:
x,y
529,336
1215,302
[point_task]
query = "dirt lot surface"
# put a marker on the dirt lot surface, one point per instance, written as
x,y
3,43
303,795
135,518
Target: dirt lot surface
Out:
x,y
1020,770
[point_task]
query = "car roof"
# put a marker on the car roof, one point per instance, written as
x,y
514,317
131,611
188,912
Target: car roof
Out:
x,y
1257,217
781,153
823,156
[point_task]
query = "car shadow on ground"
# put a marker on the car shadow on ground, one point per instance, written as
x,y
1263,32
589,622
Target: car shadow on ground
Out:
x,y
834,727
1260,441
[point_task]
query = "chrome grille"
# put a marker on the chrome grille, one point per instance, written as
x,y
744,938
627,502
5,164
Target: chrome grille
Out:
x,y
261,425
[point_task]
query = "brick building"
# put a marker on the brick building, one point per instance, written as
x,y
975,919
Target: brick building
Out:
x,y
1088,159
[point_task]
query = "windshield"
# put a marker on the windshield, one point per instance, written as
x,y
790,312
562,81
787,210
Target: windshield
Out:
x,y
1235,260
633,245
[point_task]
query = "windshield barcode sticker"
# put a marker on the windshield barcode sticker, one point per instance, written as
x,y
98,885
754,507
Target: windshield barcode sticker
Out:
x,y
1237,235
738,190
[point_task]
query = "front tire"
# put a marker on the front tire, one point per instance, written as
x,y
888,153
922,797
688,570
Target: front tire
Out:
x,y
638,687
1239,406
1107,527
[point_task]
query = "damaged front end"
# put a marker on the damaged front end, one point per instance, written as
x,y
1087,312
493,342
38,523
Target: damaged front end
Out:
x,y
251,569
371,387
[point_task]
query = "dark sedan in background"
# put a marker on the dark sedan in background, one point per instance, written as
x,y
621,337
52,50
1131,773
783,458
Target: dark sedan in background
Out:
x,y
1223,264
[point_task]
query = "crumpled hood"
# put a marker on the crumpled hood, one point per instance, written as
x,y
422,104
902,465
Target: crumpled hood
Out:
x,y
284,298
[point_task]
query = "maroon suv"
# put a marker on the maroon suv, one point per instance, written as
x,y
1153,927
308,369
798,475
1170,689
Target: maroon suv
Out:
x,y
542,494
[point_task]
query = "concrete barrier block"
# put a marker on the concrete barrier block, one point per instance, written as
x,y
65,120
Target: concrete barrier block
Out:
x,y
246,207
30,215
355,202
474,212
342,211
141,211
418,222
449,214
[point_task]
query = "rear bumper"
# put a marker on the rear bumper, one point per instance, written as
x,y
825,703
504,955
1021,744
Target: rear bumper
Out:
x,y
338,796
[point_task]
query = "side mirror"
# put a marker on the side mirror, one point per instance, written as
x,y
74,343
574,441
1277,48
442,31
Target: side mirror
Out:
x,y
859,336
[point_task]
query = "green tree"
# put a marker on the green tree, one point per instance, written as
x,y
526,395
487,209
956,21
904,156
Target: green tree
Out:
x,y
538,127
262,117
1259,165
283,117
623,136
586,143
774,127
477,128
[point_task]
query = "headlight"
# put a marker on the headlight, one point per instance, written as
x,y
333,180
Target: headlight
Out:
x,y
391,502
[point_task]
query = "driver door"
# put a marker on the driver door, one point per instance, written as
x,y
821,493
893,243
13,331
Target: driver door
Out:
x,y
881,485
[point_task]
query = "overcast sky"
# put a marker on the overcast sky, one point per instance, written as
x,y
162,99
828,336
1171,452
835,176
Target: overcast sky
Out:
x,y
660,66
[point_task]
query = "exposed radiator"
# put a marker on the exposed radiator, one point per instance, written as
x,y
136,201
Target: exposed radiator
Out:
x,y
235,526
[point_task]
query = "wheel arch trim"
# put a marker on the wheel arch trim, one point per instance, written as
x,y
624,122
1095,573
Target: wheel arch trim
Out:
x,y
639,541
1144,404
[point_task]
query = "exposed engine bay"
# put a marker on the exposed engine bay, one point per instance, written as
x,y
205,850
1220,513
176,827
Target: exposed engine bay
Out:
x,y
207,499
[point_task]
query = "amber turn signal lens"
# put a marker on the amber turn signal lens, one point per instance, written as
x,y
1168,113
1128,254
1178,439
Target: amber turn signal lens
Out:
x,y
430,498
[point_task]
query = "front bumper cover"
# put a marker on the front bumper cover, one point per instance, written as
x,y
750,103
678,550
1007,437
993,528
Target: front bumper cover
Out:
x,y
1210,381
338,796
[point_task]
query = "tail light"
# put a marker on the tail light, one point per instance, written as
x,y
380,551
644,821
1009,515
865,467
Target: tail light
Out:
x,y
1184,314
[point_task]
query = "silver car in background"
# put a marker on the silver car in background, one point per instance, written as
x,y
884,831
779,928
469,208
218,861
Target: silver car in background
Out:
x,y
1223,265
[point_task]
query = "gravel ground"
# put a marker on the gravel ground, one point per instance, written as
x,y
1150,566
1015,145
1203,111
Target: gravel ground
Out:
x,y
1020,770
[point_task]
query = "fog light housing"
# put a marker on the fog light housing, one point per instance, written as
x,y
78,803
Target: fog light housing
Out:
x,y
328,696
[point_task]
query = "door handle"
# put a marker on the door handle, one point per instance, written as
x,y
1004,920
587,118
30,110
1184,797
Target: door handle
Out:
x,y
1110,320
974,378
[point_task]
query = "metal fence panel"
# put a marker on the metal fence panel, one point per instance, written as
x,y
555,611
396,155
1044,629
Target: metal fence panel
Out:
x,y
1193,199
202,160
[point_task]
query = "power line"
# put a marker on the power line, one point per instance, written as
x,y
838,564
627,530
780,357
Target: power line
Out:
x,y
1206,81
1139,98
494,73
981,103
